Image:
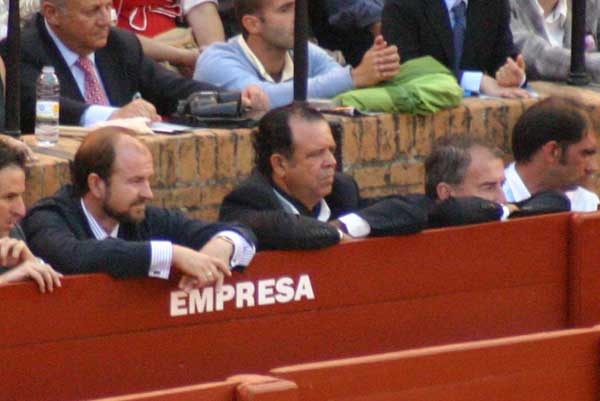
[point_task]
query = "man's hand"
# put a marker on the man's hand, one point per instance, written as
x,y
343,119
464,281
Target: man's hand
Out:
x,y
381,62
136,108
255,101
20,147
512,73
199,269
490,87
14,252
45,277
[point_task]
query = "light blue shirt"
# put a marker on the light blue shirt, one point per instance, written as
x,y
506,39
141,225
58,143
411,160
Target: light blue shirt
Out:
x,y
94,113
233,66
471,80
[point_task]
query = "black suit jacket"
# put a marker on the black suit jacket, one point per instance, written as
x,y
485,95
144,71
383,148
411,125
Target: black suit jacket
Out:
x,y
422,27
57,230
123,67
254,203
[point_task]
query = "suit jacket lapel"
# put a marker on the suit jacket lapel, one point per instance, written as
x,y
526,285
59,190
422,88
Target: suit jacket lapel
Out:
x,y
437,13
68,86
109,73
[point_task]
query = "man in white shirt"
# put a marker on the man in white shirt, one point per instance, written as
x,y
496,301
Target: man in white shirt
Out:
x,y
554,146
102,224
542,30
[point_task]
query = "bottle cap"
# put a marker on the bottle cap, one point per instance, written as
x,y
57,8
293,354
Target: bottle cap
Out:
x,y
48,69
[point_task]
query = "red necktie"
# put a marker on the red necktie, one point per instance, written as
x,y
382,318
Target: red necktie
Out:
x,y
93,91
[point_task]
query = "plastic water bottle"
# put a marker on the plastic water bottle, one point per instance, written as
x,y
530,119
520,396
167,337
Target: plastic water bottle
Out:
x,y
47,108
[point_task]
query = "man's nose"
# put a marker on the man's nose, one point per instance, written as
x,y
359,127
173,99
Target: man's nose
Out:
x,y
500,197
146,191
18,208
330,161
592,166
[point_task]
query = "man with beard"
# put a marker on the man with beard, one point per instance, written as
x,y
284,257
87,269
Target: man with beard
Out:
x,y
102,224
261,56
295,199
102,70
554,145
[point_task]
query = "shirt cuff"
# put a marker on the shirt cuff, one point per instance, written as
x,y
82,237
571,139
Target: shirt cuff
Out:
x,y
95,114
187,5
161,257
243,250
505,213
356,226
471,81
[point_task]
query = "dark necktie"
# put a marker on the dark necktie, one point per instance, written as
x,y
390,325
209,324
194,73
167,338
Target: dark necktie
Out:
x,y
93,91
459,14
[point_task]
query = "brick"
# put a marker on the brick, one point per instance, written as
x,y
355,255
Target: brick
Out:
x,y
497,124
378,192
351,142
212,195
207,155
372,176
423,136
244,152
386,137
187,165
225,153
405,132
441,123
368,139
460,120
477,112
407,173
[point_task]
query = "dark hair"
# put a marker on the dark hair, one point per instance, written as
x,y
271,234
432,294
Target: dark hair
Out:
x,y
96,154
554,119
450,159
10,156
246,7
275,135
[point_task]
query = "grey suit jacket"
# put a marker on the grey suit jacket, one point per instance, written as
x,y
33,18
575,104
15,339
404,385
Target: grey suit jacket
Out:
x,y
543,60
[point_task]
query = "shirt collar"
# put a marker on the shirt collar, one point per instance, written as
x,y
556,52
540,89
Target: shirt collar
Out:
x,y
515,183
324,211
68,55
451,3
288,68
559,12
97,230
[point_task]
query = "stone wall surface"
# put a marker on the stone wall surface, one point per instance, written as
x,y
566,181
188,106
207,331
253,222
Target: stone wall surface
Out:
x,y
385,153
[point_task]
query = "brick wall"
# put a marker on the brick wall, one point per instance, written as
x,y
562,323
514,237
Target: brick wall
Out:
x,y
385,153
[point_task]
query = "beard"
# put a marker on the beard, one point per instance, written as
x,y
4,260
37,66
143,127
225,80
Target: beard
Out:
x,y
130,215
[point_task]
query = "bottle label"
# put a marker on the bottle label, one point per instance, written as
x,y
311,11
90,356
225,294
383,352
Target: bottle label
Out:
x,y
46,109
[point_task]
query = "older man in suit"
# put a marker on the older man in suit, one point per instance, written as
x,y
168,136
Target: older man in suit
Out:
x,y
101,69
471,37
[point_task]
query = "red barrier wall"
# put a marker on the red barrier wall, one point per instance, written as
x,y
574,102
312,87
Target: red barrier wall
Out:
x,y
98,336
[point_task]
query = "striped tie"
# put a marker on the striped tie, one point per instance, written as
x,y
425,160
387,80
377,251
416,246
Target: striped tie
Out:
x,y
459,15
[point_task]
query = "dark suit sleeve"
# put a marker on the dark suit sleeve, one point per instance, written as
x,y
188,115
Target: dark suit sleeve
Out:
x,y
50,237
463,210
276,228
174,226
505,46
400,26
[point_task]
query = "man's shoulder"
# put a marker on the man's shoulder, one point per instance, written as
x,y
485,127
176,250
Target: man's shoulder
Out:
x,y
230,49
256,185
583,200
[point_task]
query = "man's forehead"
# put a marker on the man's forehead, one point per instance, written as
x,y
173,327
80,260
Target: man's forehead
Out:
x,y
12,180
131,155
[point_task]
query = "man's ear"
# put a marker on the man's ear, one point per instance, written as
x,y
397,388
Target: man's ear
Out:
x,y
552,152
96,185
251,23
278,165
50,13
443,190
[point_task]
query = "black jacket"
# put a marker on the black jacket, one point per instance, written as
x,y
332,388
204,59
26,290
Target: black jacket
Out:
x,y
123,67
422,27
58,232
254,203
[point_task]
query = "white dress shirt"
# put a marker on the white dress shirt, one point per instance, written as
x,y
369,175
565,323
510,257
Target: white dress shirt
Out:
x,y
515,190
161,252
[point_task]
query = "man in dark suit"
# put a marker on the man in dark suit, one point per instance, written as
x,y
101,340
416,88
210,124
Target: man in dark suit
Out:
x,y
483,60
295,199
102,70
102,224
